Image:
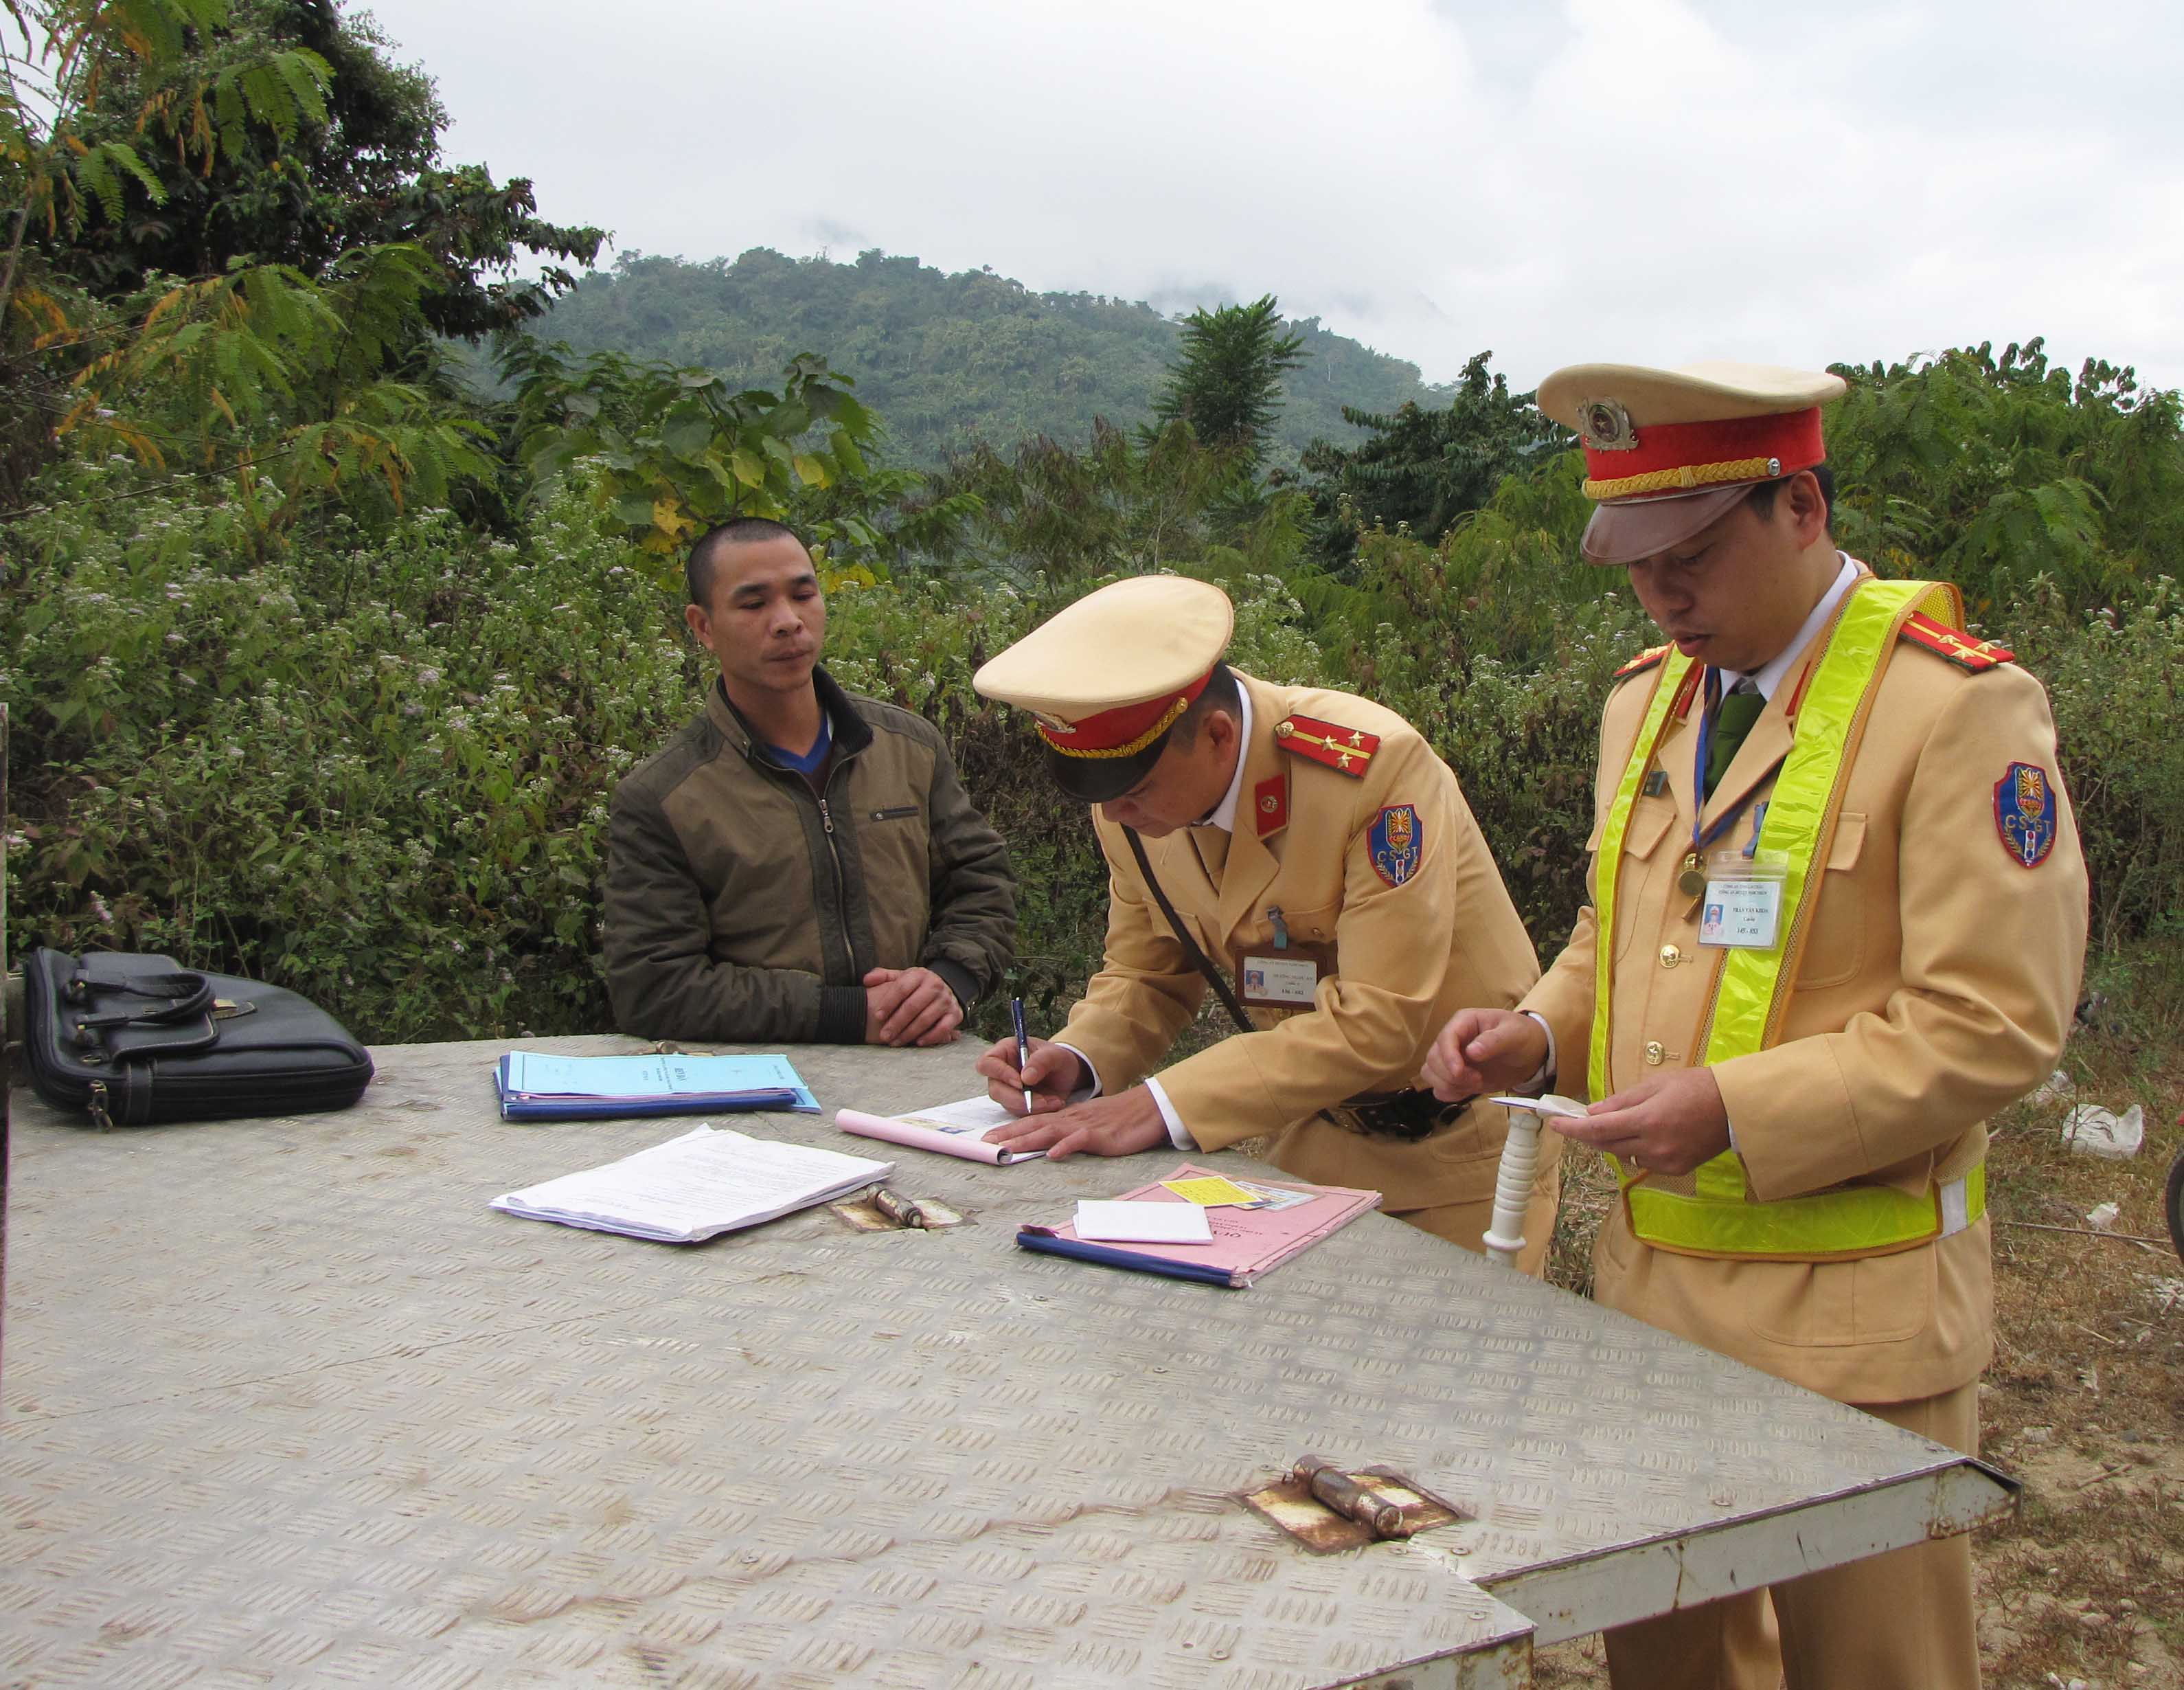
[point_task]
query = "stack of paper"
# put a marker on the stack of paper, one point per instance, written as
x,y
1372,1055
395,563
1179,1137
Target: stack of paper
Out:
x,y
1226,1242
957,1129
693,1187
537,1087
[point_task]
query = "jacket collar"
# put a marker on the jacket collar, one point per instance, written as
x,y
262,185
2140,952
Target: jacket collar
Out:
x,y
852,732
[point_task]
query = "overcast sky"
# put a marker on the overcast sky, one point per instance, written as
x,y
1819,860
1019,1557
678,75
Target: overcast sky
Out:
x,y
1641,181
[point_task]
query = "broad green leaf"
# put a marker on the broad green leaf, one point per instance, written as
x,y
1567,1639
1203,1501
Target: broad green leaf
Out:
x,y
688,432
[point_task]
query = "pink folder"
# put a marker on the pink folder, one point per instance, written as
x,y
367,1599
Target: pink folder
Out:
x,y
968,1143
1246,1242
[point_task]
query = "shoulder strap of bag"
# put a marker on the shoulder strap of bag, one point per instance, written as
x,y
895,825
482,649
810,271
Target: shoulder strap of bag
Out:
x,y
1199,959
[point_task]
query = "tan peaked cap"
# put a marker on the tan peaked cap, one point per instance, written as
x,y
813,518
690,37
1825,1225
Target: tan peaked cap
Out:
x,y
1131,642
1669,453
1711,391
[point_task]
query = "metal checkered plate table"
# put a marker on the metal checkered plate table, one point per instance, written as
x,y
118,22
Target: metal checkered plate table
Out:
x,y
287,1404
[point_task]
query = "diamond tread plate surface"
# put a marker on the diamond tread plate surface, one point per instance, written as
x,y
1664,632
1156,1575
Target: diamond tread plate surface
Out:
x,y
285,1403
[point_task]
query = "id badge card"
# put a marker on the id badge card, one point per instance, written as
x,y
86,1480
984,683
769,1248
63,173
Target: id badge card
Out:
x,y
1742,908
1281,977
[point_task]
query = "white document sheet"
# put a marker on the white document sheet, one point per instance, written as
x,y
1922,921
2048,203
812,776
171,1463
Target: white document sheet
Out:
x,y
1118,1222
1548,1105
706,1182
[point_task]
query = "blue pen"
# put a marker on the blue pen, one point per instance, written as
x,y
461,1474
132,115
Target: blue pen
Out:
x,y
1023,1047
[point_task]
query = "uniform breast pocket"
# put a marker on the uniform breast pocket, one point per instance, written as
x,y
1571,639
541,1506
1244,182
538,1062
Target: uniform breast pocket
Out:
x,y
895,812
1643,854
1837,948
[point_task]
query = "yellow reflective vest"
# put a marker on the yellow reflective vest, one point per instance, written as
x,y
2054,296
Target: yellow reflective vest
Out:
x,y
1711,1212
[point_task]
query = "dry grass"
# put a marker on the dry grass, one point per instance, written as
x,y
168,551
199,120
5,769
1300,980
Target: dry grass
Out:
x,y
2085,1401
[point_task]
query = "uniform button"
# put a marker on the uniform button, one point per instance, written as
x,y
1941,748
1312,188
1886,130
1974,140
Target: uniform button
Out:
x,y
1671,955
1656,1054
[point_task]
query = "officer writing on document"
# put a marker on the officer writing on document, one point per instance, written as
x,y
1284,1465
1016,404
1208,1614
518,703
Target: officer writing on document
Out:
x,y
1838,916
1304,855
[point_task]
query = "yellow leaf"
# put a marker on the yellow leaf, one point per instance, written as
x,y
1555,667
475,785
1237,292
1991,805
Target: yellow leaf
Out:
x,y
668,518
810,472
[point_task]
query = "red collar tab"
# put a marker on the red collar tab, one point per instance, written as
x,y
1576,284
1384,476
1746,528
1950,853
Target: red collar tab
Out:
x,y
1977,656
1664,460
1347,751
1123,731
1642,662
1270,804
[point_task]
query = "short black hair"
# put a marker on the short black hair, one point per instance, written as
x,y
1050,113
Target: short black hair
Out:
x,y
1221,692
705,553
1762,497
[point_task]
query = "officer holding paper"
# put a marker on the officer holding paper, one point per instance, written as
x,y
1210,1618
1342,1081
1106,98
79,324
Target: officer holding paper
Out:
x,y
1838,918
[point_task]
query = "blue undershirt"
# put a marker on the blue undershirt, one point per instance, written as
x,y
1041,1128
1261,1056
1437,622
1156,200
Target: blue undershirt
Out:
x,y
809,763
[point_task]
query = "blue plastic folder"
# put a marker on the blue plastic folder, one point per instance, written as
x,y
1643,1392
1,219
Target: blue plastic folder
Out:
x,y
534,1086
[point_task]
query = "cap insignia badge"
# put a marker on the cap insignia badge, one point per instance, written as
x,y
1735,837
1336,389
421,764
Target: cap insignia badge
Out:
x,y
1053,724
1606,426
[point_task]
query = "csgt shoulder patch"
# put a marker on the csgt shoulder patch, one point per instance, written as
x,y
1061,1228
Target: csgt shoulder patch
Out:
x,y
1397,843
2025,813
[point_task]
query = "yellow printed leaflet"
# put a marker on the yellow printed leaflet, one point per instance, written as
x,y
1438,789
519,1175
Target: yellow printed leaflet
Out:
x,y
1212,1193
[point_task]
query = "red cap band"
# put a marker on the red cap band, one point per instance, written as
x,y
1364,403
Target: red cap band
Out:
x,y
1124,731
1672,458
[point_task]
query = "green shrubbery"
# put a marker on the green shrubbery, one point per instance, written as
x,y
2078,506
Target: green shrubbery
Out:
x,y
375,765
373,771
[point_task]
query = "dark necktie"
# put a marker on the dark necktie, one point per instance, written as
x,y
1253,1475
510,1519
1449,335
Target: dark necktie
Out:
x,y
1732,720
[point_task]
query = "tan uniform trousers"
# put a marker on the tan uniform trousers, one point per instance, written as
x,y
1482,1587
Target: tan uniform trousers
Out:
x,y
1466,1224
1900,1621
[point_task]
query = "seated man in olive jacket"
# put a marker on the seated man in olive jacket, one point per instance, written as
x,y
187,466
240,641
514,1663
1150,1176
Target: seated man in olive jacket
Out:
x,y
798,863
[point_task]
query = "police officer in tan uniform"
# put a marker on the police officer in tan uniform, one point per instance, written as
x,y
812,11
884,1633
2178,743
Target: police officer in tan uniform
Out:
x,y
1838,918
1319,857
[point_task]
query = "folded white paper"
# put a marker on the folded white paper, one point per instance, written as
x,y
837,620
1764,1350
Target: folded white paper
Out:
x,y
1117,1221
693,1187
1546,1106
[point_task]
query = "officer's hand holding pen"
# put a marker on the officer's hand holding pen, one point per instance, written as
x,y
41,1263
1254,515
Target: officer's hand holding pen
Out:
x,y
1052,1076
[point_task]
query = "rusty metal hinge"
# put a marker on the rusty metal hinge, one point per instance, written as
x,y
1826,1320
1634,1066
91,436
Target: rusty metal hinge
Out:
x,y
1327,1508
880,1210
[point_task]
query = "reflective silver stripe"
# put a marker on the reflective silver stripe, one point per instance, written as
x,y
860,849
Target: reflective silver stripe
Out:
x,y
1956,1206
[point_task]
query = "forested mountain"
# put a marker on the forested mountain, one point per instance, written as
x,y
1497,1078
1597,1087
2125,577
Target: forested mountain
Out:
x,y
946,359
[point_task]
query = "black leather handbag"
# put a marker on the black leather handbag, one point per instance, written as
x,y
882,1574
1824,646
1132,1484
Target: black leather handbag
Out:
x,y
135,1039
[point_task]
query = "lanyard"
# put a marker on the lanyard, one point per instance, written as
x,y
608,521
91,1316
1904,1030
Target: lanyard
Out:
x,y
1702,838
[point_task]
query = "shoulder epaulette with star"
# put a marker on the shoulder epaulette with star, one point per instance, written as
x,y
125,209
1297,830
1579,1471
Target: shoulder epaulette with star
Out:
x,y
1347,751
1643,661
1976,655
